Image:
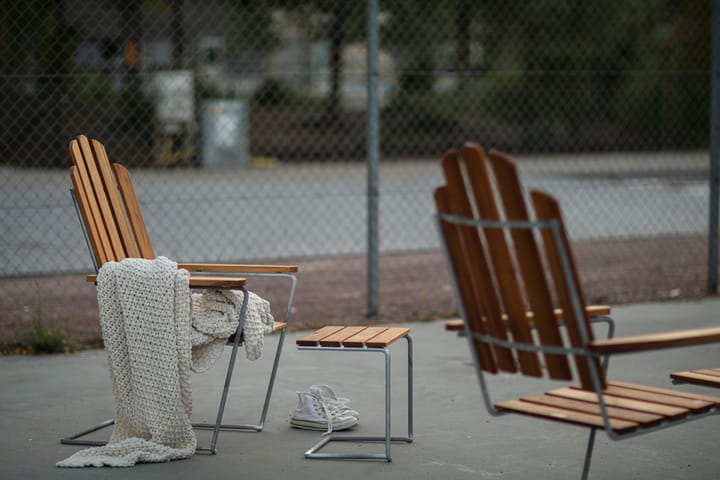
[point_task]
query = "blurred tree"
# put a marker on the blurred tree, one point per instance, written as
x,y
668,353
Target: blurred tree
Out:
x,y
339,22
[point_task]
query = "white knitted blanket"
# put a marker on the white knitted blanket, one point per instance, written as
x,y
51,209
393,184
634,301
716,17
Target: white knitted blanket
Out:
x,y
145,315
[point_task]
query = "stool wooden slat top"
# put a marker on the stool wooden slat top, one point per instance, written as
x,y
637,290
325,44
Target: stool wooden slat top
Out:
x,y
354,336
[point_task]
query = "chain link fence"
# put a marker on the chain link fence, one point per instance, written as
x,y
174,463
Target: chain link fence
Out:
x,y
244,126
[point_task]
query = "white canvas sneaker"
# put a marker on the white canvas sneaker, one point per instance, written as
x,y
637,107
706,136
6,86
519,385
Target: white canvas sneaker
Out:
x,y
340,405
312,413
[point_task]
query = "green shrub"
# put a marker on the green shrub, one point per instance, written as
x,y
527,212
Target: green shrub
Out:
x,y
38,338
274,92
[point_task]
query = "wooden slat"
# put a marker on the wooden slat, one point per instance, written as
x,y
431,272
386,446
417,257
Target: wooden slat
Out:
x,y
654,341
312,339
245,268
88,202
499,254
479,274
101,199
527,255
359,339
133,211
594,409
338,338
612,401
86,212
207,281
665,391
548,209
387,337
696,377
469,297
116,203
276,327
454,325
660,398
564,415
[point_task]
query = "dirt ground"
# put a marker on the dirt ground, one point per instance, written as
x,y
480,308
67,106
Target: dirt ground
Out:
x,y
413,287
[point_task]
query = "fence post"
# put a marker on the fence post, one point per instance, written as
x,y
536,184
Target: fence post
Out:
x,y
373,156
712,277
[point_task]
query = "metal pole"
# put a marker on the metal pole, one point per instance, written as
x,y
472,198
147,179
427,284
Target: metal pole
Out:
x,y
373,155
712,278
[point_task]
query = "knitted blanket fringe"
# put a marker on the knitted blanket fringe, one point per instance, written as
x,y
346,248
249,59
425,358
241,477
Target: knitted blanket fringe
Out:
x,y
155,333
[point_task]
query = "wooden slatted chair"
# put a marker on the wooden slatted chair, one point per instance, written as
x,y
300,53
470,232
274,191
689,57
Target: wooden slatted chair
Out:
x,y
114,229
503,263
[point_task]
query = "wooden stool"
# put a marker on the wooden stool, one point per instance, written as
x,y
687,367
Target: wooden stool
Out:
x,y
362,339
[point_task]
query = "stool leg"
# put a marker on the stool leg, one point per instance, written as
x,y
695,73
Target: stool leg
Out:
x,y
388,435
411,399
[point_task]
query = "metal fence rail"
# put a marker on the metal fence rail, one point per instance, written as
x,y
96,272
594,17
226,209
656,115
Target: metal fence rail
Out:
x,y
218,103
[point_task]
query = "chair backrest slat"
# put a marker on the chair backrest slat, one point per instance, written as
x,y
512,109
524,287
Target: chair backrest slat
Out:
x,y
101,198
132,209
531,268
93,195
90,218
113,197
476,267
472,308
505,272
107,203
547,208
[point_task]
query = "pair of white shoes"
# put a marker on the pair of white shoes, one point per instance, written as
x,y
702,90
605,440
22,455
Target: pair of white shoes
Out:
x,y
322,409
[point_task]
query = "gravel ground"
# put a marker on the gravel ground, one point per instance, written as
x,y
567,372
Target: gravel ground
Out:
x,y
413,287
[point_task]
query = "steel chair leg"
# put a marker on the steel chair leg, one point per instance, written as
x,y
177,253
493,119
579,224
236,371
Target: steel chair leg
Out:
x,y
588,454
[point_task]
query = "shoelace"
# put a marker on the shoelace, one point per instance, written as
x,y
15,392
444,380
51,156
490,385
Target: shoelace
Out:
x,y
337,407
328,415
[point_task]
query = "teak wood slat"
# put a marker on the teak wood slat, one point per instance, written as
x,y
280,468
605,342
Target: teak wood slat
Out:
x,y
239,267
472,307
548,210
358,340
528,259
613,401
594,409
638,343
114,199
134,214
675,393
708,378
564,415
478,271
205,282
659,398
501,257
315,337
338,338
98,194
387,337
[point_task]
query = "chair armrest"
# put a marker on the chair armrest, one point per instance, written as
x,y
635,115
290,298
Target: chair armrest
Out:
x,y
656,341
231,267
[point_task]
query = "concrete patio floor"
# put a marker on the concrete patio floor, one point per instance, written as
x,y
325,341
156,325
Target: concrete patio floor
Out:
x,y
43,398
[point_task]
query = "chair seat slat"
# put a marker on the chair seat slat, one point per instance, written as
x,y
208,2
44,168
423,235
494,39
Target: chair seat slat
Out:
x,y
613,401
564,415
